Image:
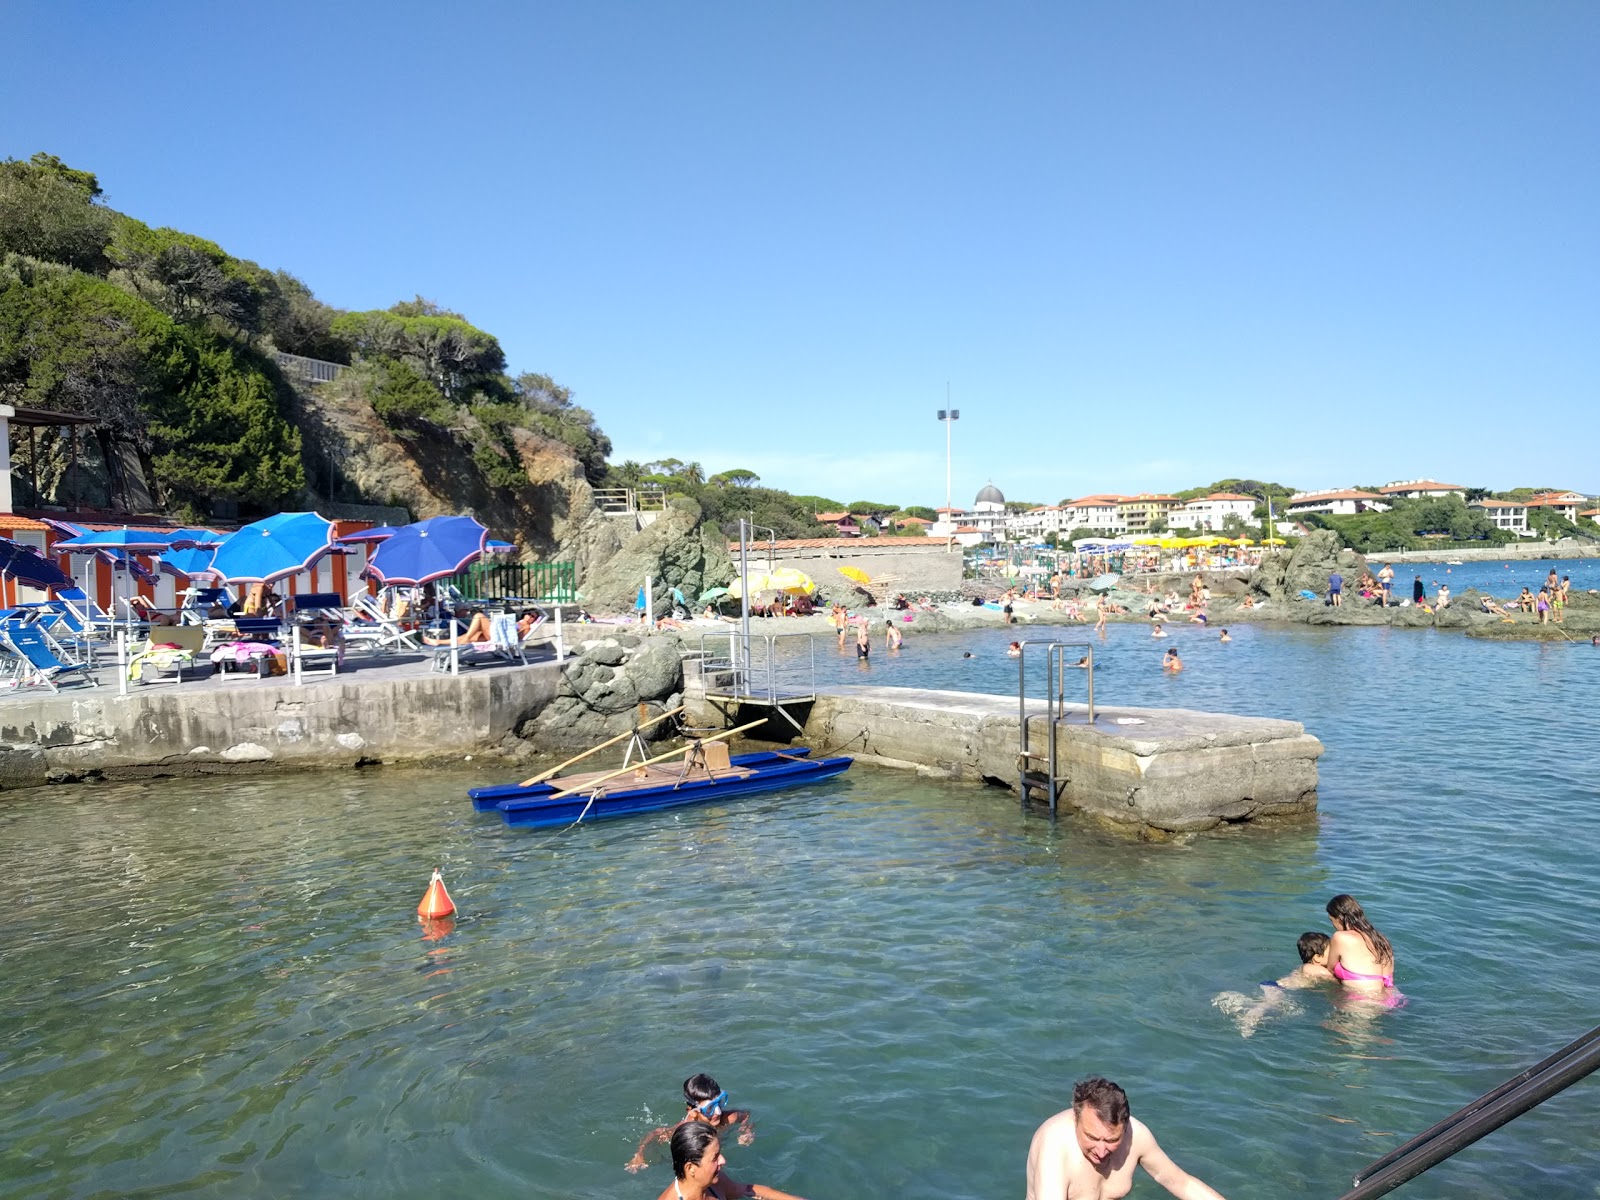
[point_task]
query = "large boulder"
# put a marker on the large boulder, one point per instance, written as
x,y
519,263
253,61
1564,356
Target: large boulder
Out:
x,y
673,552
602,688
1307,567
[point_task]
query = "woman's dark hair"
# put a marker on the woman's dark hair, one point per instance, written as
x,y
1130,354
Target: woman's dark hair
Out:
x,y
1108,1100
689,1142
1347,911
697,1089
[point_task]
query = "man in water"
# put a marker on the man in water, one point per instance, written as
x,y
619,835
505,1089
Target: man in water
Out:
x,y
1089,1151
1386,584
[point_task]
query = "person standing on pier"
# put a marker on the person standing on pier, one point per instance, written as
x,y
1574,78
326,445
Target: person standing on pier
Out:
x,y
1090,1150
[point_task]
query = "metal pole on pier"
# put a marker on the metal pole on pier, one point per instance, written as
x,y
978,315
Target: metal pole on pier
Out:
x,y
744,603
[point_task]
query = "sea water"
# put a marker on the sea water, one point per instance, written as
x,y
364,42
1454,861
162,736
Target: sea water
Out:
x,y
219,987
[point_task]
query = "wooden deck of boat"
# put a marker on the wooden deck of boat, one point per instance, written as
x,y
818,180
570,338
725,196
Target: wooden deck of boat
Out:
x,y
659,775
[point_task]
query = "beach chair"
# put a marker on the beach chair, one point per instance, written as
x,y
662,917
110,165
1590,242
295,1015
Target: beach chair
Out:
x,y
38,661
504,646
307,658
96,620
197,602
369,628
168,663
242,629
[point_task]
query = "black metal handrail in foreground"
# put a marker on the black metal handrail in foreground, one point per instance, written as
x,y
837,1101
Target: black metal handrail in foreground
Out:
x,y
1483,1116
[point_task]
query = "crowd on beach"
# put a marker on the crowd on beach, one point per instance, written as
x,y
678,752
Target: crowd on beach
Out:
x,y
1090,1148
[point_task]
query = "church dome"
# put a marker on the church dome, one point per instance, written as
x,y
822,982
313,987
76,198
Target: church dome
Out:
x,y
990,495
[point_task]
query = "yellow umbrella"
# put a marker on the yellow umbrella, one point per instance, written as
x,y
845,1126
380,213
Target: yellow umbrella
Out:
x,y
1244,541
1273,542
1147,541
1172,543
856,574
784,579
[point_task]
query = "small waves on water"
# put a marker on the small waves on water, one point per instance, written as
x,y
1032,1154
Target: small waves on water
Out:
x,y
219,988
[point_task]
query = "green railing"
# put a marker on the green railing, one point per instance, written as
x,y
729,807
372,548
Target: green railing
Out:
x,y
551,583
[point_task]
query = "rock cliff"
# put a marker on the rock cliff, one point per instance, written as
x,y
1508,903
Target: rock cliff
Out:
x,y
351,454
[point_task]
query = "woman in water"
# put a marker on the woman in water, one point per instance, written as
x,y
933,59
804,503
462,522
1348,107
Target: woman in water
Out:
x,y
697,1169
1359,956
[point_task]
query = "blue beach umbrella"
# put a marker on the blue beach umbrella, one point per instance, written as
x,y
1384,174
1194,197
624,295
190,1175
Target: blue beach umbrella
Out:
x,y
27,565
187,563
273,549
376,534
129,541
494,547
196,539
428,550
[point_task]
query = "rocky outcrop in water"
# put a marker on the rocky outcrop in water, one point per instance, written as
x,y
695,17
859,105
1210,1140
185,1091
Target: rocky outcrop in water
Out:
x,y
675,551
1307,567
601,690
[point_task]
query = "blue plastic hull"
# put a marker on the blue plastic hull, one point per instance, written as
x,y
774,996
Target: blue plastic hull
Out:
x,y
541,811
488,799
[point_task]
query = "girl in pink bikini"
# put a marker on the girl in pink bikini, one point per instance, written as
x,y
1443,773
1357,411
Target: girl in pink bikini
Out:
x,y
1360,957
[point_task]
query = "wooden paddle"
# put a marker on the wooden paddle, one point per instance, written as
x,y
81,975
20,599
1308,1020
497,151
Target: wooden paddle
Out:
x,y
594,783
556,770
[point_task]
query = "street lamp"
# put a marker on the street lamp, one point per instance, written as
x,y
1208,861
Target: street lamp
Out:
x,y
949,416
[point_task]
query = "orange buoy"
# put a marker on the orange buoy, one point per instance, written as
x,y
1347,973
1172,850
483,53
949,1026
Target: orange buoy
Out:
x,y
436,901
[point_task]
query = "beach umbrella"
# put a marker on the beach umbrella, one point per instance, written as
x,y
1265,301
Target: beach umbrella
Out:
x,y
195,539
190,563
1104,583
855,574
26,565
274,548
494,547
1273,542
1244,541
710,594
784,579
433,549
376,534
132,541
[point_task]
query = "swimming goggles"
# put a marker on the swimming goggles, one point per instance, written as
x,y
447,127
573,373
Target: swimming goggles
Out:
x,y
712,1107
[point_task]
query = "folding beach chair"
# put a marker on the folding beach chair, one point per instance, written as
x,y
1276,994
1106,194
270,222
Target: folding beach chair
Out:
x,y
94,619
197,602
43,665
369,628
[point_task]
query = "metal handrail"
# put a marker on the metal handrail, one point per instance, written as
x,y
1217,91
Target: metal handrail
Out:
x,y
752,681
1483,1116
1055,701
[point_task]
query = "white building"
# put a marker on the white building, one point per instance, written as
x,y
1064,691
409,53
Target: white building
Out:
x,y
1209,512
1506,514
1565,504
985,521
1102,513
1339,503
1417,489
1038,522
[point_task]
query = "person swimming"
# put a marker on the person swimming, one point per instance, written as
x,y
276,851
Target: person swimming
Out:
x,y
1313,950
1014,650
1224,637
1360,957
704,1101
1170,662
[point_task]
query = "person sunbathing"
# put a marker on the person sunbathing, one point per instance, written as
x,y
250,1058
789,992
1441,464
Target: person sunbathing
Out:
x,y
475,631
149,613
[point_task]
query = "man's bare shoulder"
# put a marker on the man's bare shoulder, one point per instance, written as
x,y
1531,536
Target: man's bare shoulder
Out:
x,y
1055,1128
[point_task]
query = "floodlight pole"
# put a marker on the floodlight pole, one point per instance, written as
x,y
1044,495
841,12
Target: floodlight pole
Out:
x,y
949,416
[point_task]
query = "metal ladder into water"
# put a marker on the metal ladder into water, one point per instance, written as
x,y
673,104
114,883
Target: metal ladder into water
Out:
x,y
1040,773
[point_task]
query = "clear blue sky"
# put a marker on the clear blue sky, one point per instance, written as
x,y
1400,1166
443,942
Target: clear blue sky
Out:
x,y
1146,245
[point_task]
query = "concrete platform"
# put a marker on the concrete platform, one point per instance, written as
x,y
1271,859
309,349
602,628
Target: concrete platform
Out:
x,y
381,709
1157,770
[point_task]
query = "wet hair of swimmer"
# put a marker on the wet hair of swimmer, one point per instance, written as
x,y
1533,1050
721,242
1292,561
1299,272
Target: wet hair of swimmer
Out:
x,y
697,1089
1312,944
689,1142
1347,910
1109,1101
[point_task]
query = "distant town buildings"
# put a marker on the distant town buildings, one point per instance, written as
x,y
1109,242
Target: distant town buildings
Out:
x,y
1112,514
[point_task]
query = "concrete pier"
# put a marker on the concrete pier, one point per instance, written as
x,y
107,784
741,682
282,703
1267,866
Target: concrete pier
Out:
x,y
1158,771
377,714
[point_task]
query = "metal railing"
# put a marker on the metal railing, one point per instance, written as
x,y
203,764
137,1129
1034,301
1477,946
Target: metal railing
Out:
x,y
770,675
1483,1116
547,583
1055,712
312,370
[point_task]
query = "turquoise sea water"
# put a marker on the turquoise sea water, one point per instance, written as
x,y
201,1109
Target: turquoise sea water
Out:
x,y
219,987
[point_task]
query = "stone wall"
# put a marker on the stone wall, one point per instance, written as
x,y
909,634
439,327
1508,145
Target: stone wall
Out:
x,y
169,729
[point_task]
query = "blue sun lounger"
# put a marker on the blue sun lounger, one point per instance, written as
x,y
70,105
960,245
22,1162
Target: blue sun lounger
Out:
x,y
40,664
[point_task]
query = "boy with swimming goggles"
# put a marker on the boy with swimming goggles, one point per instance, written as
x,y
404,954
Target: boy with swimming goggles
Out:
x,y
704,1101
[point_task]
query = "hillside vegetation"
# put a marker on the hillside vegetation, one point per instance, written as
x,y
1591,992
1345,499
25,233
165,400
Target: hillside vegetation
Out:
x,y
169,341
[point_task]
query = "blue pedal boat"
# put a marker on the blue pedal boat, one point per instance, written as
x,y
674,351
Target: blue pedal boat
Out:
x,y
567,800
